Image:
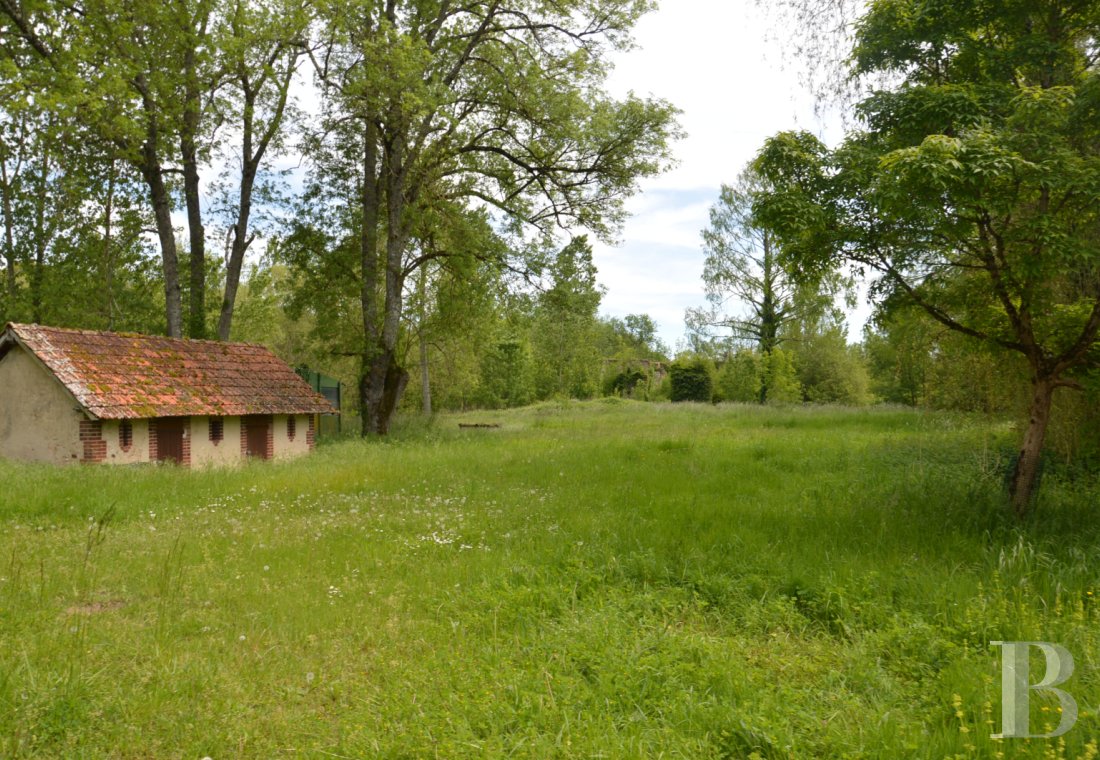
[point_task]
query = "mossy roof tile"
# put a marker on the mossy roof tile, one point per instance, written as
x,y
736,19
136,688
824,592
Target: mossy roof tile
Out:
x,y
127,376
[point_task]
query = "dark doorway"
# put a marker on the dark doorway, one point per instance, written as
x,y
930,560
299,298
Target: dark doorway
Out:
x,y
257,436
170,440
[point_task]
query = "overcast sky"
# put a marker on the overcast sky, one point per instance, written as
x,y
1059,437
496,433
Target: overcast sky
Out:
x,y
718,62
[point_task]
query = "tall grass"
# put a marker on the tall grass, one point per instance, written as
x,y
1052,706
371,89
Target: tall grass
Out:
x,y
589,580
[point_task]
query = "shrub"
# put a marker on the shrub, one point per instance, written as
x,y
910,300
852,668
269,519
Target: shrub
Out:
x,y
780,378
625,383
506,376
831,371
692,380
739,378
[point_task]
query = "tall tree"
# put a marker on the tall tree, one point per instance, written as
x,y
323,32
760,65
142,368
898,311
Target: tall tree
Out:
x,y
158,82
973,191
564,330
498,102
751,294
262,45
116,67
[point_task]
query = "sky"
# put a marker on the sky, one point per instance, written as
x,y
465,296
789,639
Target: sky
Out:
x,y
719,62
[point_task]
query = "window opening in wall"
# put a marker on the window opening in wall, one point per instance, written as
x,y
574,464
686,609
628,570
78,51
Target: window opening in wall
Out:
x,y
217,430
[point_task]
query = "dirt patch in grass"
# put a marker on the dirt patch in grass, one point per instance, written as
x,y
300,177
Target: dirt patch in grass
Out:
x,y
93,608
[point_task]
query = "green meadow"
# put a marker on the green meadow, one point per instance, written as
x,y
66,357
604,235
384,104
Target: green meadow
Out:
x,y
597,580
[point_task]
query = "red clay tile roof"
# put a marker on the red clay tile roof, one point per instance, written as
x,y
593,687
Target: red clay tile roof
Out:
x,y
128,376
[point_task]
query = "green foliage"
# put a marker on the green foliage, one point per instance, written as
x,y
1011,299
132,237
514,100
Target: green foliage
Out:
x,y
434,113
972,190
506,375
563,332
832,372
632,338
691,379
626,383
753,295
899,355
740,378
914,361
1075,431
780,378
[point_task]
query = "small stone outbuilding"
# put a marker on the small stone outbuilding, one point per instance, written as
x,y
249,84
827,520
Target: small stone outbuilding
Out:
x,y
82,396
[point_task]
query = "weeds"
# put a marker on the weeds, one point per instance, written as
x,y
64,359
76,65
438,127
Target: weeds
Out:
x,y
617,580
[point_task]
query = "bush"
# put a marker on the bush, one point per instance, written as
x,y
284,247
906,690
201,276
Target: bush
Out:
x,y
692,380
780,378
506,375
739,379
831,371
625,383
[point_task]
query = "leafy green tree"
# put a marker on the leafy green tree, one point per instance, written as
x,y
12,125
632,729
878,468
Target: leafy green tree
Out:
x,y
629,347
261,46
506,374
780,377
972,190
498,103
751,294
156,83
898,345
830,371
740,378
743,270
563,334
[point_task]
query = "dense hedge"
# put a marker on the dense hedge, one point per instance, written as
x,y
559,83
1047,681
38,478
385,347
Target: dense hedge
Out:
x,y
692,380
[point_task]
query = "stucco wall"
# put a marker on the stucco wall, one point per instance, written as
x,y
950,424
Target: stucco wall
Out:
x,y
284,447
39,420
205,452
138,451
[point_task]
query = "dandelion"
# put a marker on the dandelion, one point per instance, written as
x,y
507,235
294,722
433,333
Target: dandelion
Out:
x,y
241,638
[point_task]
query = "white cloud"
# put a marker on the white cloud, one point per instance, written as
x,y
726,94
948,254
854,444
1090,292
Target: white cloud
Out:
x,y
717,61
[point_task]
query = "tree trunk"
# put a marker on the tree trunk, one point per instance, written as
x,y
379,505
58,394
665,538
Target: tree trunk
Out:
x,y
162,213
38,273
196,320
9,236
153,174
189,153
108,262
368,293
425,381
1025,476
394,378
425,376
384,380
241,242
